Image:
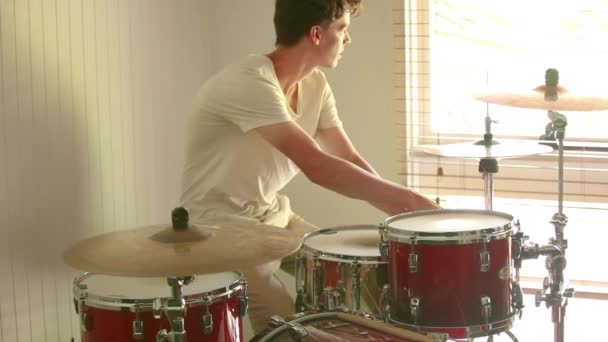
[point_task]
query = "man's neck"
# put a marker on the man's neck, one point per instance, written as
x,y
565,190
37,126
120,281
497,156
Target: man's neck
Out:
x,y
291,65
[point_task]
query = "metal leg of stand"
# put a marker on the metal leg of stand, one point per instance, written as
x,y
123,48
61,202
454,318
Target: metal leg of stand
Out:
x,y
488,189
488,167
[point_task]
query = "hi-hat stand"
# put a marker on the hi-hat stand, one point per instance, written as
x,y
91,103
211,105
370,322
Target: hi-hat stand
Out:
x,y
488,166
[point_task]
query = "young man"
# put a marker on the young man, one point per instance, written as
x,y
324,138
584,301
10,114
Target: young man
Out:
x,y
259,122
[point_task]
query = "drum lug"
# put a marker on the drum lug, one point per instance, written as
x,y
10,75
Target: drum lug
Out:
x,y
300,272
486,309
86,321
317,281
484,256
414,260
157,307
386,303
331,299
138,324
383,247
243,300
484,259
206,318
356,291
415,309
300,305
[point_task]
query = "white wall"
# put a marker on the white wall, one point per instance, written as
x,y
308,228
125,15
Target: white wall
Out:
x,y
92,100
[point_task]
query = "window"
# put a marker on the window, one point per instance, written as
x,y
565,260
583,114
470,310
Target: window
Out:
x,y
448,50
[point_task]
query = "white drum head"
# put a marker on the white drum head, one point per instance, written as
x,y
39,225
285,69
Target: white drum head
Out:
x,y
146,288
349,241
450,221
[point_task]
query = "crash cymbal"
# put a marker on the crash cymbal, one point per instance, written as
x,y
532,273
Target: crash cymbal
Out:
x,y
166,251
535,99
496,150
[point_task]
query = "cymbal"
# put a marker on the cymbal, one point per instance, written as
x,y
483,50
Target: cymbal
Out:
x,y
163,251
496,150
535,98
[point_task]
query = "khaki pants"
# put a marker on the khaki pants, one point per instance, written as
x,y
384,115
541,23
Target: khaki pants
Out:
x,y
267,294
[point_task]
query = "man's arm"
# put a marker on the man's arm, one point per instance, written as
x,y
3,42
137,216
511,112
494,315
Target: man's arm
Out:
x,y
339,175
335,141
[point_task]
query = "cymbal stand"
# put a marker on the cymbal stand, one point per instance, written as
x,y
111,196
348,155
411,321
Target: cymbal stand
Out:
x,y
488,166
175,310
554,293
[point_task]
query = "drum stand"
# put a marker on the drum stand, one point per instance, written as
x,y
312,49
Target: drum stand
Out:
x,y
175,310
554,293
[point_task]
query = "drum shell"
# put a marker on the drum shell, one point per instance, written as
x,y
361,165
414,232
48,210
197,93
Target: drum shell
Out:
x,y
449,283
113,321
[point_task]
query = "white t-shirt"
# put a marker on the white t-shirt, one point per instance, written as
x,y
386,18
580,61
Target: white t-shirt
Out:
x,y
231,172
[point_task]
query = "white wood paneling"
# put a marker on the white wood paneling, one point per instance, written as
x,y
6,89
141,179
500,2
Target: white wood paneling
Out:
x,y
93,96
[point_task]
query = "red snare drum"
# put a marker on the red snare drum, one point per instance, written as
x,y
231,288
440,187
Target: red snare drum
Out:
x,y
341,267
334,326
120,309
450,271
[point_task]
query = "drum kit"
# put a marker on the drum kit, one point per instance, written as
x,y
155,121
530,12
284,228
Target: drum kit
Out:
x,y
433,275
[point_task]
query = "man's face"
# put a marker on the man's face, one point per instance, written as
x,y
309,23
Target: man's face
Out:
x,y
333,38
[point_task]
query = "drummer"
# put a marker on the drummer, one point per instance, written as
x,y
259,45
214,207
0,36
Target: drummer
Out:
x,y
257,123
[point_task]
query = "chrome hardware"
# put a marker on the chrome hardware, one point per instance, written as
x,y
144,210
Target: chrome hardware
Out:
x,y
386,303
157,307
162,335
300,304
243,300
383,247
332,298
298,329
413,262
415,309
206,318
300,272
317,281
439,337
484,256
518,297
138,324
356,291
486,309
538,298
329,299
86,321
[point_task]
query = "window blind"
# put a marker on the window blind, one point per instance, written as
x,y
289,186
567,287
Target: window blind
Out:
x,y
443,49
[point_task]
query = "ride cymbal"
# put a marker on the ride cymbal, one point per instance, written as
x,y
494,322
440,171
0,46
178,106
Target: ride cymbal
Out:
x,y
166,251
496,150
535,99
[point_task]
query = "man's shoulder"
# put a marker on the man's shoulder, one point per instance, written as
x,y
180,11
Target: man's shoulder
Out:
x,y
316,80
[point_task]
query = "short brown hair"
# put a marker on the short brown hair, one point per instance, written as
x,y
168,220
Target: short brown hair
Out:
x,y
293,18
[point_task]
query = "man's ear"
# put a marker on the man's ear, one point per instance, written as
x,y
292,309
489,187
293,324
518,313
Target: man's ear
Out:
x,y
315,34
